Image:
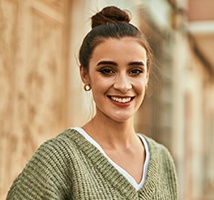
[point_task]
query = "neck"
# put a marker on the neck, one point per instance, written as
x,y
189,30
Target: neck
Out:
x,y
111,133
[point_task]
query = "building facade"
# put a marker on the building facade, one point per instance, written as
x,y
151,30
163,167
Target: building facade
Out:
x,y
41,91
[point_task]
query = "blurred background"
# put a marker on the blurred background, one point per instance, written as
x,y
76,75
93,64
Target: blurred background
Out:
x,y
41,93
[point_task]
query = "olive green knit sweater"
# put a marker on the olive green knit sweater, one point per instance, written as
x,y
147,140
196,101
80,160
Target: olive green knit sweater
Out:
x,y
70,167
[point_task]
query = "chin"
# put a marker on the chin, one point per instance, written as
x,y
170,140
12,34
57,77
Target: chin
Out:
x,y
122,119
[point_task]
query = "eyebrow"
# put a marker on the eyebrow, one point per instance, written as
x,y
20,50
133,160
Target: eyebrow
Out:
x,y
106,63
139,63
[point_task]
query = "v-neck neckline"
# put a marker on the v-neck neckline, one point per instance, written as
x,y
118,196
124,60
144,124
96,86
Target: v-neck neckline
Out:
x,y
136,185
115,178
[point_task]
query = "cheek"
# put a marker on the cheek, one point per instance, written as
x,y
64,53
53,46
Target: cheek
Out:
x,y
100,84
99,89
140,86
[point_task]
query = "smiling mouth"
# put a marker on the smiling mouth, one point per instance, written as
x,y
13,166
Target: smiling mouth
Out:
x,y
121,99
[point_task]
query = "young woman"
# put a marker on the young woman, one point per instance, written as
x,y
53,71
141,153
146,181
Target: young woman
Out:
x,y
104,159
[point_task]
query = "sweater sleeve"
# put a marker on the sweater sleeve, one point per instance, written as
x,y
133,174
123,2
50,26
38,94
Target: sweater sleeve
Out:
x,y
46,176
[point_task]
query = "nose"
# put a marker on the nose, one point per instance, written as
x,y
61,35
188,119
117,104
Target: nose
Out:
x,y
122,83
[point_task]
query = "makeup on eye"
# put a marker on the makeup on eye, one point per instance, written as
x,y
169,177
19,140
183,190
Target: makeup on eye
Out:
x,y
106,71
136,71
111,67
132,72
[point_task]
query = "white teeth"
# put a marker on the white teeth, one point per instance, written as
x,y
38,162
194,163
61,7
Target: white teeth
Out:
x,y
121,100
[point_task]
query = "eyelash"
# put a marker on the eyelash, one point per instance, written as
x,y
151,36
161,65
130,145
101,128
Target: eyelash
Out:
x,y
106,71
132,72
136,72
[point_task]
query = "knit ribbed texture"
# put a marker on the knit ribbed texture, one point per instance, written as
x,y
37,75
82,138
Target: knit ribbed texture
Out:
x,y
69,167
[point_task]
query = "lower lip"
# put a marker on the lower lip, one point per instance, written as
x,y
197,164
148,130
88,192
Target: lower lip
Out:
x,y
120,104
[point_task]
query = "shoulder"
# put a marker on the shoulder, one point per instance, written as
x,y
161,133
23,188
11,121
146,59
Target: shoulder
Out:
x,y
46,174
154,144
156,148
65,141
54,147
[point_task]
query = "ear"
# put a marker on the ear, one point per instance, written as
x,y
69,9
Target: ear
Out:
x,y
84,75
147,76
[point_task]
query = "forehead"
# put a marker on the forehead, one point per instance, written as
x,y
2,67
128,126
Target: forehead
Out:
x,y
124,48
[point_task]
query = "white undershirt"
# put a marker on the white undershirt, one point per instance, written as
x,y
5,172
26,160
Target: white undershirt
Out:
x,y
121,170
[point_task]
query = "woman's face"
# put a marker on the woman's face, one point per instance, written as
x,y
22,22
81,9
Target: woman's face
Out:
x,y
118,76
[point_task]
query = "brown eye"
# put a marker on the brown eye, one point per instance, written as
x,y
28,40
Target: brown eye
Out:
x,y
135,72
106,71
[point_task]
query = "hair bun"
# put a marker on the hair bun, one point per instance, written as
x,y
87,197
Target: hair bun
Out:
x,y
110,14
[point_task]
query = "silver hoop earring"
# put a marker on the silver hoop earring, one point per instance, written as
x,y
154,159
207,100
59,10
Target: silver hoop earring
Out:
x,y
87,87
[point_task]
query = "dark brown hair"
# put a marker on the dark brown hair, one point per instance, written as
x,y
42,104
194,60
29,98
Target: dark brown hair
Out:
x,y
110,22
